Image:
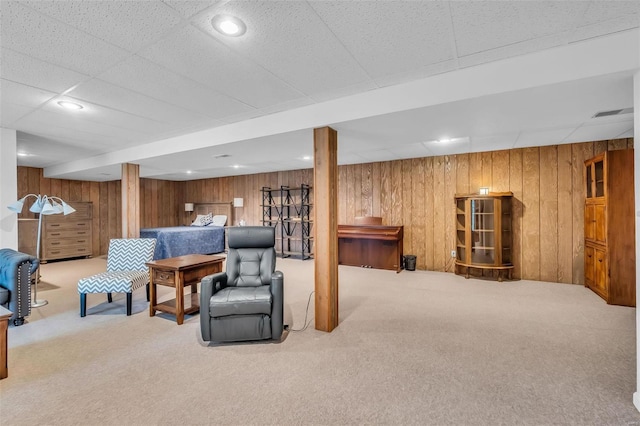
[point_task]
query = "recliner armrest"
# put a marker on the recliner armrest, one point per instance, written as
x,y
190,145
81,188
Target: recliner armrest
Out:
x,y
209,285
277,305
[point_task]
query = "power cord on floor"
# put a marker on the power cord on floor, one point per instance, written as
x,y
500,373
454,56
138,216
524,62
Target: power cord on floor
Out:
x,y
306,324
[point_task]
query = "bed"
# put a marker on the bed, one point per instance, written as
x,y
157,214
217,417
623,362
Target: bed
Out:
x,y
180,240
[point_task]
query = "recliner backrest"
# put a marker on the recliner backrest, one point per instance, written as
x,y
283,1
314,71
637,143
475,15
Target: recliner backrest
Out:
x,y
130,254
252,257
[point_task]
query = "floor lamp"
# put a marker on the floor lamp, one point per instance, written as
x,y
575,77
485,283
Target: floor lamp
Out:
x,y
43,205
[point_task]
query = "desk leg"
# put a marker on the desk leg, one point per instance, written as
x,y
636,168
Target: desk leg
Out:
x,y
4,370
153,295
179,298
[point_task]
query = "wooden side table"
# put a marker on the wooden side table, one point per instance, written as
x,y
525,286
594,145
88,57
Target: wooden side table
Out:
x,y
5,314
180,272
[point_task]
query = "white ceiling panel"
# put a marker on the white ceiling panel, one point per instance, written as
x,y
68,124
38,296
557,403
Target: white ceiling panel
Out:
x,y
387,27
607,27
41,37
188,8
599,132
204,59
313,60
11,113
542,137
19,94
377,155
143,76
493,142
35,73
157,116
599,11
481,26
42,152
456,146
127,24
413,150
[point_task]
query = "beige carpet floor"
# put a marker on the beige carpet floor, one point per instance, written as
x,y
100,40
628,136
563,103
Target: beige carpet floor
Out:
x,y
411,348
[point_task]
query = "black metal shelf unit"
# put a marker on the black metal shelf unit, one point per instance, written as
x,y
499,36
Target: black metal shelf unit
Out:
x,y
289,211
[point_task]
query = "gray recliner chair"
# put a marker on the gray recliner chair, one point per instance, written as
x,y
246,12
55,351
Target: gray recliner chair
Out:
x,y
15,282
247,301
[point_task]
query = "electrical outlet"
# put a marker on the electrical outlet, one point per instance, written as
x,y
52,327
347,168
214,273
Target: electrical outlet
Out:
x,y
453,253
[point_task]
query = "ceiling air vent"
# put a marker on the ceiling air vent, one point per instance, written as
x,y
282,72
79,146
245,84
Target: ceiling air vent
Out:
x,y
221,156
613,112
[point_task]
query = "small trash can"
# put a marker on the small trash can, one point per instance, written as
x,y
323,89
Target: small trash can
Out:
x,y
410,262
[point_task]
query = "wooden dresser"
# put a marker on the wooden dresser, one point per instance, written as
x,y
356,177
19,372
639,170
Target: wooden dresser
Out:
x,y
62,236
609,227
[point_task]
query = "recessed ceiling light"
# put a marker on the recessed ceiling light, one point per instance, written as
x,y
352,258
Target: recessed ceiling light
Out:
x,y
189,172
70,105
306,157
228,25
236,166
24,154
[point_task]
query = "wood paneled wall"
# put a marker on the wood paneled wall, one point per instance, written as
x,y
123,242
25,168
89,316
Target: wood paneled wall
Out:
x,y
417,193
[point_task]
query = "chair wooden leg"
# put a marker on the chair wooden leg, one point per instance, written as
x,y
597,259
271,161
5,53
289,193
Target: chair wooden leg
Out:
x,y
129,299
83,304
109,298
147,292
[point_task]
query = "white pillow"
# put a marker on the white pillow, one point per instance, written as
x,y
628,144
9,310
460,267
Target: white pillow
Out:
x,y
203,220
218,220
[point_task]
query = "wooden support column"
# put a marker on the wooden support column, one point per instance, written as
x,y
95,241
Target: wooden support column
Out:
x,y
325,225
130,200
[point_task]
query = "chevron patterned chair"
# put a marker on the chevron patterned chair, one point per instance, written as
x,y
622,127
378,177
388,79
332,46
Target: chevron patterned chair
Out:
x,y
126,271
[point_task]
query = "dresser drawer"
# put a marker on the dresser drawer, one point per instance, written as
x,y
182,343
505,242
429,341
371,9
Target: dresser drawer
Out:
x,y
65,251
65,226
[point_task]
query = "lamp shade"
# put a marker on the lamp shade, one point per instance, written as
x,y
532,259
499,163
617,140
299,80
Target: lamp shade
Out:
x,y
238,202
188,207
16,207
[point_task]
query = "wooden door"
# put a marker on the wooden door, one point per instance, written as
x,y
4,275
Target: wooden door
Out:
x,y
589,222
600,223
589,265
600,278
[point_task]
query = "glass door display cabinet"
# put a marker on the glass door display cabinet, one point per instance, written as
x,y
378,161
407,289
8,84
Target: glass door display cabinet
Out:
x,y
483,234
609,227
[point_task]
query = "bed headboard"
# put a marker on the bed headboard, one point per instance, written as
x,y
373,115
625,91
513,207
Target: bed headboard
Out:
x,y
215,208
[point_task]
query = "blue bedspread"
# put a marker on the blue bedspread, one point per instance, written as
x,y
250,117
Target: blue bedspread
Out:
x,y
181,240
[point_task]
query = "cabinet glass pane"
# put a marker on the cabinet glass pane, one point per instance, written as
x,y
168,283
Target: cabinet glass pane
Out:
x,y
506,230
482,231
587,184
599,176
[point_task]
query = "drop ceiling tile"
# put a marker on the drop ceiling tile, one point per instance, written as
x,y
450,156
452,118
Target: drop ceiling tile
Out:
x,y
413,150
599,11
55,42
350,158
542,137
629,133
599,132
461,146
482,26
388,38
329,94
509,51
156,113
607,27
65,125
289,40
43,153
200,57
20,94
155,81
283,106
127,24
493,142
33,72
376,155
10,113
188,8
417,73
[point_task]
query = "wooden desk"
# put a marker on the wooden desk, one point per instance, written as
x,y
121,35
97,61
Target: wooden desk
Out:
x,y
5,314
180,272
370,246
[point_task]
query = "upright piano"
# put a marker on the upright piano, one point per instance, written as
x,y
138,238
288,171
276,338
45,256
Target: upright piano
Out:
x,y
370,246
